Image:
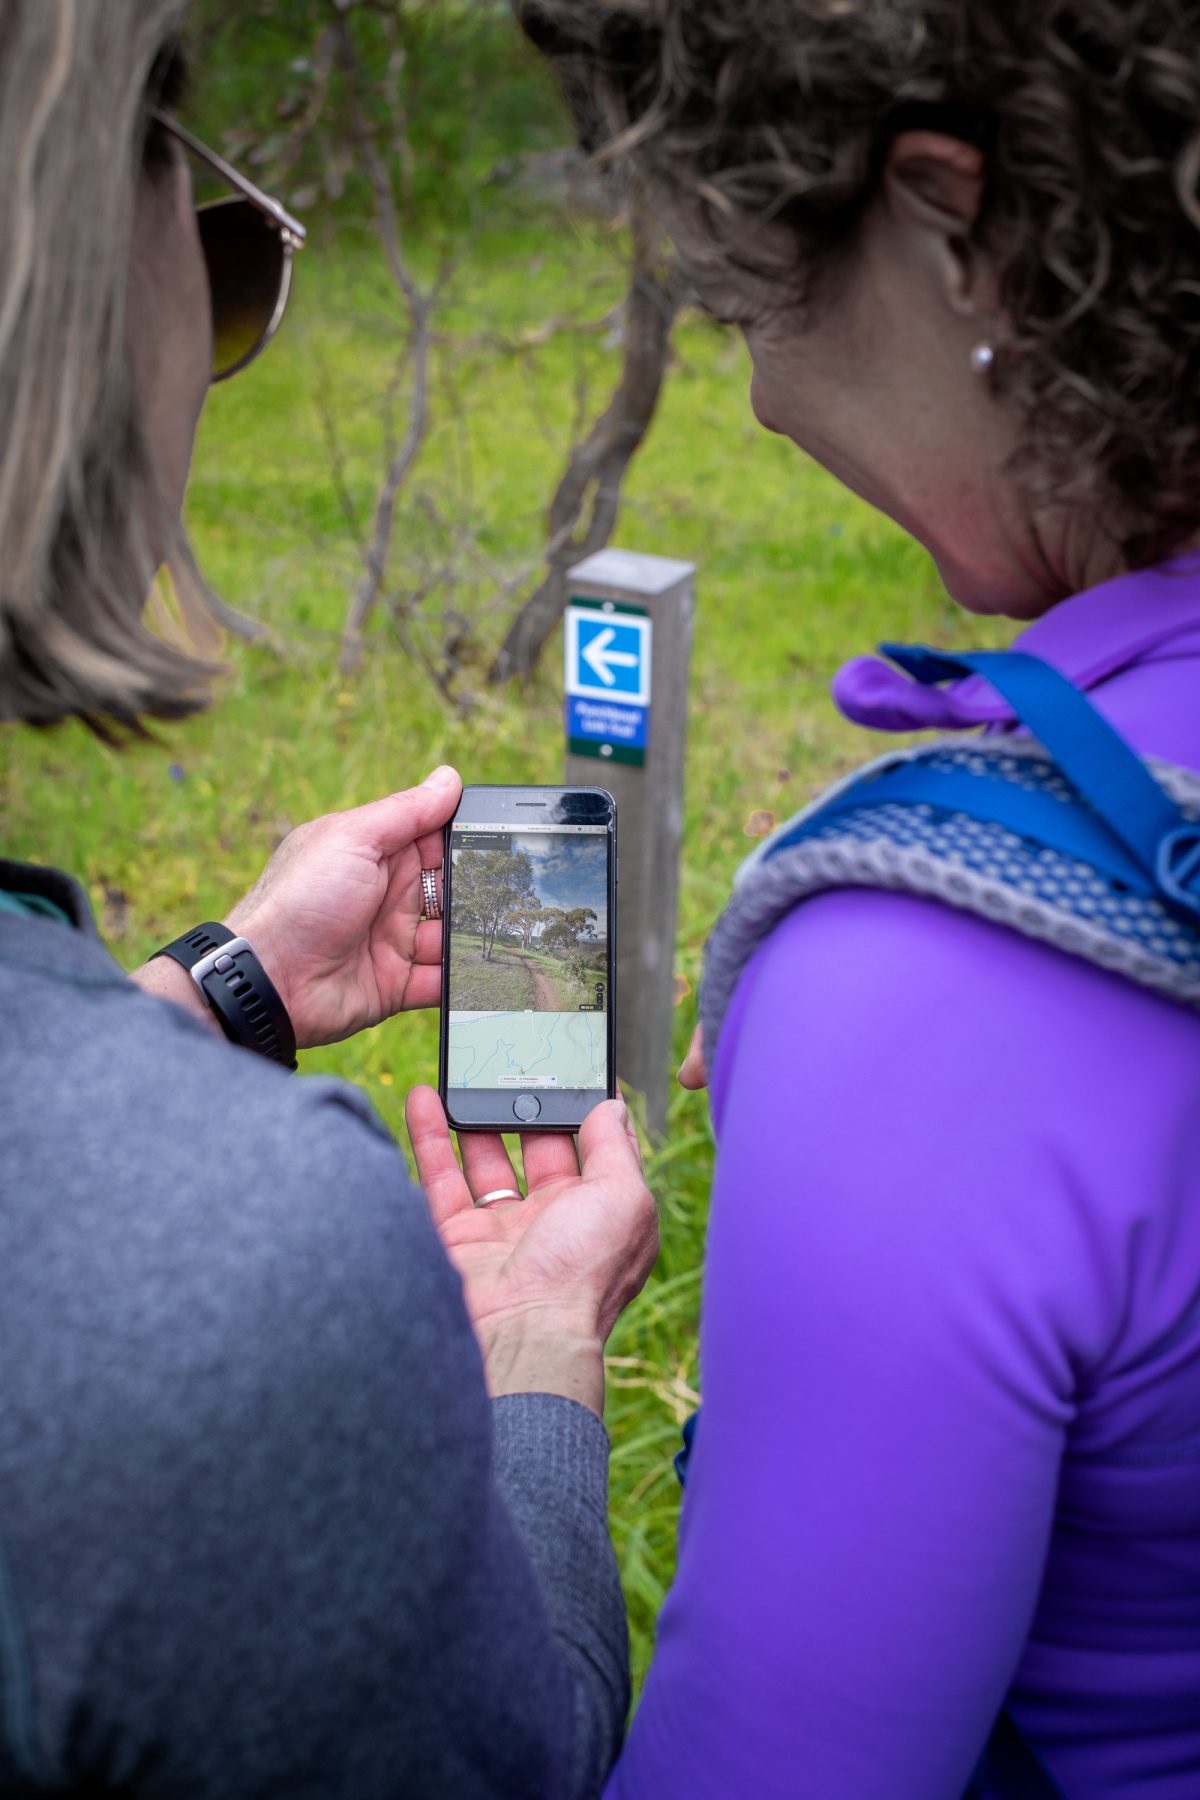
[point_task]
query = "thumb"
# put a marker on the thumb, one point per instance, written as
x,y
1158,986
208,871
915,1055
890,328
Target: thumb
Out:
x,y
693,1074
608,1145
391,824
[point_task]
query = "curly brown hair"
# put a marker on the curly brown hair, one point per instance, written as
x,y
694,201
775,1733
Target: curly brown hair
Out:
x,y
743,112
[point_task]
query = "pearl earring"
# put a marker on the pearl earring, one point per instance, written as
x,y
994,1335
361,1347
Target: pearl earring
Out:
x,y
982,358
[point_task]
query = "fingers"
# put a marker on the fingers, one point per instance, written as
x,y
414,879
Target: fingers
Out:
x,y
692,1073
423,988
486,1163
427,945
445,1185
548,1156
424,984
432,850
415,816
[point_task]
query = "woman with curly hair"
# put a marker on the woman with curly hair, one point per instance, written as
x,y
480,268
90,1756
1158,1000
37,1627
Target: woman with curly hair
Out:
x,y
947,1466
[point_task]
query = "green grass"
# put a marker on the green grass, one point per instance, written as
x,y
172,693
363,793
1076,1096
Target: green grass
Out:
x,y
502,984
794,576
572,986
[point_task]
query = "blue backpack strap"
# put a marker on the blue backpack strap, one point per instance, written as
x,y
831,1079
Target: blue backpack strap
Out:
x,y
1111,777
1058,823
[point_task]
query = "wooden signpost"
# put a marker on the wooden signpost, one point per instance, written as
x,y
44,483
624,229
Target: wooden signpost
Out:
x,y
628,642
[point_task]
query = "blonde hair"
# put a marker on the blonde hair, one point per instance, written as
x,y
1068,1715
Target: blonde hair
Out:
x,y
84,527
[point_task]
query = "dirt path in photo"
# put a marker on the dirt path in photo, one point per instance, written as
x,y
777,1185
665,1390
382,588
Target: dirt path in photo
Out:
x,y
546,995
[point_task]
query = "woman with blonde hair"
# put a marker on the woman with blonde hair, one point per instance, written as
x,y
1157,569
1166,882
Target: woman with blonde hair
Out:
x,y
947,1462
260,1530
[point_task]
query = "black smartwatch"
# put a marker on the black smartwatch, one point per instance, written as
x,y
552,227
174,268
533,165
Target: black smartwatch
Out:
x,y
238,989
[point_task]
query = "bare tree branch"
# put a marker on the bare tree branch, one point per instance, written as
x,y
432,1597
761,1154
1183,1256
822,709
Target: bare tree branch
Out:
x,y
597,466
324,58
533,337
335,455
417,307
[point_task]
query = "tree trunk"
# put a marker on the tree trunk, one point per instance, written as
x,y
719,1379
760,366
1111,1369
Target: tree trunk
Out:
x,y
597,466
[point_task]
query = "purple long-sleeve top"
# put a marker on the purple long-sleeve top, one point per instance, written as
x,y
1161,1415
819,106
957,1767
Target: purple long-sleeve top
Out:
x,y
950,1343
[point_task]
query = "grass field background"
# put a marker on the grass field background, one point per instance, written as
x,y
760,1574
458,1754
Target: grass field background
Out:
x,y
501,984
575,986
794,576
504,983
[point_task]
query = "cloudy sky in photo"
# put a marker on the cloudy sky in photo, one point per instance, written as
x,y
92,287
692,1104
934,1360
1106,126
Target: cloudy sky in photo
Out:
x,y
570,871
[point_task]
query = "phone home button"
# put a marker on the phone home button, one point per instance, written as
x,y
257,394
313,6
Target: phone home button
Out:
x,y
527,1107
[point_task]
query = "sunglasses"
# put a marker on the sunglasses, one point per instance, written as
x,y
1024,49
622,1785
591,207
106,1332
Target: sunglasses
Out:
x,y
249,242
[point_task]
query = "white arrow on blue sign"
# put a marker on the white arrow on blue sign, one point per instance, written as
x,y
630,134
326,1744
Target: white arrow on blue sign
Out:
x,y
598,653
608,655
607,679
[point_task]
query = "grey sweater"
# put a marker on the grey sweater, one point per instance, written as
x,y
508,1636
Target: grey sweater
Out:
x,y
260,1531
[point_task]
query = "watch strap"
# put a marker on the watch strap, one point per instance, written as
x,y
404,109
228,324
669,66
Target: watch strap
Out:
x,y
199,941
238,989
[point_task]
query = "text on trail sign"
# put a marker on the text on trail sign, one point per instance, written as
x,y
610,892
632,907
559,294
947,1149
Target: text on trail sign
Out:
x,y
607,680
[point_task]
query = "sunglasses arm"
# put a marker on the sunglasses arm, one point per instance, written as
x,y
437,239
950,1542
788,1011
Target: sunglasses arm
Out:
x,y
290,228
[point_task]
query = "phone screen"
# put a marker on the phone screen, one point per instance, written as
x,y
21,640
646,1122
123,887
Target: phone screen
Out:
x,y
528,963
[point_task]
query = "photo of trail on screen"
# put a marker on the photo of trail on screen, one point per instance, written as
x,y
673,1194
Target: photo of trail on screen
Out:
x,y
528,993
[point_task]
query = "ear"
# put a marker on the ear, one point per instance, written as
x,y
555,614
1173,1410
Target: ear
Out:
x,y
932,186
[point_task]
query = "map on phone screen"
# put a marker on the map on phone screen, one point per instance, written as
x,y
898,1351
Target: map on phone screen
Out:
x,y
528,988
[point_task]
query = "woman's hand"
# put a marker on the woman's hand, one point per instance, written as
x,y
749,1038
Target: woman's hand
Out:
x,y
544,1277
336,917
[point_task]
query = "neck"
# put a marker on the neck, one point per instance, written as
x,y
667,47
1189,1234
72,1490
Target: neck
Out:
x,y
1035,564
1075,553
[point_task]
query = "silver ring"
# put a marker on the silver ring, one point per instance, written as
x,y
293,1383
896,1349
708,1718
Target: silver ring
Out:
x,y
430,908
498,1194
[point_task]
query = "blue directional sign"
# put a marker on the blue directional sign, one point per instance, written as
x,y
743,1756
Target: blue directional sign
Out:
x,y
607,680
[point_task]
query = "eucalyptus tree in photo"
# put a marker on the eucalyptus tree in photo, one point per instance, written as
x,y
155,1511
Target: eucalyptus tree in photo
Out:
x,y
563,933
488,886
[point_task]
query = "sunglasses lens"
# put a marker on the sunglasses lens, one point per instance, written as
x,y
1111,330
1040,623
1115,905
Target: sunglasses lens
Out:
x,y
248,268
